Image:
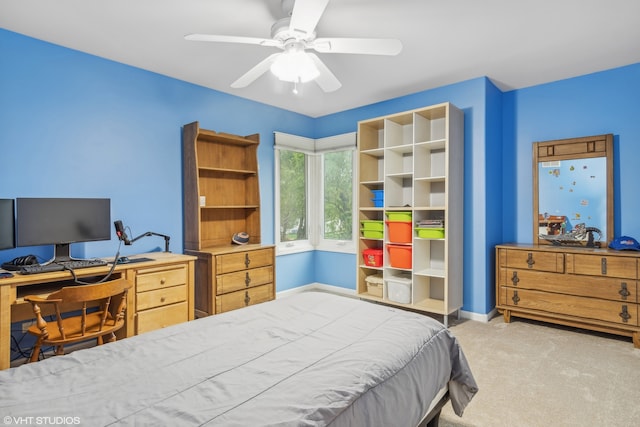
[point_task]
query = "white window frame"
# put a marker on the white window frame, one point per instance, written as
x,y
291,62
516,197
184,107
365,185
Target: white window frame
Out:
x,y
332,245
314,150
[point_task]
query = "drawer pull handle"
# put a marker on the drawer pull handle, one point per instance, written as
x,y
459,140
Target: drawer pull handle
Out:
x,y
247,261
603,266
625,314
515,298
530,260
163,281
247,279
624,292
247,298
515,279
162,299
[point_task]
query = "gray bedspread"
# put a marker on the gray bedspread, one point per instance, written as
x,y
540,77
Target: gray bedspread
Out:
x,y
311,359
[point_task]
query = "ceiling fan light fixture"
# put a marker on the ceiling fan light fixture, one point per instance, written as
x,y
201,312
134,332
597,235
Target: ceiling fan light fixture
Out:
x,y
295,66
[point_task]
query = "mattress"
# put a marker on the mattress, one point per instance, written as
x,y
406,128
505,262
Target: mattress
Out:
x,y
311,359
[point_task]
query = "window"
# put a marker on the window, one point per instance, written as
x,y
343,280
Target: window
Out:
x,y
315,193
293,195
337,197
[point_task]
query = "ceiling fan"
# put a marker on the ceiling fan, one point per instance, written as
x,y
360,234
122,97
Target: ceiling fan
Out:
x,y
295,34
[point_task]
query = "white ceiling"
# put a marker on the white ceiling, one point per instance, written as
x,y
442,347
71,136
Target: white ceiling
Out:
x,y
515,43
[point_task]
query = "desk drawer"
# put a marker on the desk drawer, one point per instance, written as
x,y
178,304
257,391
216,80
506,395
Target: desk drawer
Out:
x,y
160,297
244,279
161,317
149,279
228,263
244,298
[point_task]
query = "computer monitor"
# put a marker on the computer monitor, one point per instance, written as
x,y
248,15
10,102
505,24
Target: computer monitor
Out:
x,y
7,224
62,221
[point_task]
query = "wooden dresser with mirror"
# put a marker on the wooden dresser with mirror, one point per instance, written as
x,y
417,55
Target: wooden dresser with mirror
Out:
x,y
568,275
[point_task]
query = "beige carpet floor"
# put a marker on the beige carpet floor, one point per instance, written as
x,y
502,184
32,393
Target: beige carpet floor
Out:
x,y
537,374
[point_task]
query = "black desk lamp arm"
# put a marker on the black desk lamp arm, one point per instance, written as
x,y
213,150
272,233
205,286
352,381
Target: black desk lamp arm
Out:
x,y
151,233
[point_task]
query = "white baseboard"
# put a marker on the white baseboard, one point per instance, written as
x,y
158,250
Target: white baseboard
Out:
x,y
352,293
318,287
484,318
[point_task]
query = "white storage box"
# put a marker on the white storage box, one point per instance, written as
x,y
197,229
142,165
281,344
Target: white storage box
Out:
x,y
399,289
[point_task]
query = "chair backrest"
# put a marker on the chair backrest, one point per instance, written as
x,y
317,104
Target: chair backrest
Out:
x,y
101,294
87,293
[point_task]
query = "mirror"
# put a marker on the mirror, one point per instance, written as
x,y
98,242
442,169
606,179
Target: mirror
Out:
x,y
573,191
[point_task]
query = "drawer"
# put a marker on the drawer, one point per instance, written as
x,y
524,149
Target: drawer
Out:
x,y
149,279
569,305
244,298
532,260
244,279
161,317
160,297
614,289
602,265
228,263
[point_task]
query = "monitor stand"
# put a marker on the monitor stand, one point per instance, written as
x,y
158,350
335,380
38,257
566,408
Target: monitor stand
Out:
x,y
61,253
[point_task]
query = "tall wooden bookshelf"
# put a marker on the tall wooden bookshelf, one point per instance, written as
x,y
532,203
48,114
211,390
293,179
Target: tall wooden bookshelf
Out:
x,y
417,158
222,197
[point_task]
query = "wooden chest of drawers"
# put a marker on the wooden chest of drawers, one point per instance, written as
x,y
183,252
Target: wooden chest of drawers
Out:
x,y
594,289
161,297
233,277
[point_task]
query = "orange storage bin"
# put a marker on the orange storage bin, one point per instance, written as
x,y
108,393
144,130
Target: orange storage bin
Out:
x,y
372,257
400,231
399,256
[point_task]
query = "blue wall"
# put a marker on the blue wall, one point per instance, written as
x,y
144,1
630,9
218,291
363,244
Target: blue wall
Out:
x,y
595,104
480,101
74,125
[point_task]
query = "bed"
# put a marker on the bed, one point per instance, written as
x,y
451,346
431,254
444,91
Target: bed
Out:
x,y
310,359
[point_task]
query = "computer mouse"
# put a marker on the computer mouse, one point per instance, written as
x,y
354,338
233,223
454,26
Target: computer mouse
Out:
x,y
123,260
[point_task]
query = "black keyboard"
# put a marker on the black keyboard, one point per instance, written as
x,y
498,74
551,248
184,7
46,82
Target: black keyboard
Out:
x,y
37,268
60,266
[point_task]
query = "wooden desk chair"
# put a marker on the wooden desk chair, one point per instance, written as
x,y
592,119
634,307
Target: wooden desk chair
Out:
x,y
109,300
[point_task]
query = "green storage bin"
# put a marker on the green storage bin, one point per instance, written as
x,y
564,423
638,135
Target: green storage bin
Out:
x,y
372,234
373,225
399,216
430,233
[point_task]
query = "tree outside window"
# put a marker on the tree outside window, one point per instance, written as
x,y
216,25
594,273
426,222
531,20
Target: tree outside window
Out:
x,y
293,196
338,195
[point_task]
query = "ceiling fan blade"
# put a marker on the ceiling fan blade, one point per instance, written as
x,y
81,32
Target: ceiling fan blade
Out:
x,y
326,80
306,14
255,72
389,47
233,39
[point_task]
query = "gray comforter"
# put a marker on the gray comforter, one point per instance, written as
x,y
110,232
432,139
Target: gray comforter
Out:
x,y
312,359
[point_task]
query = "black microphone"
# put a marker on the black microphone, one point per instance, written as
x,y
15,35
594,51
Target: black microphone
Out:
x,y
120,232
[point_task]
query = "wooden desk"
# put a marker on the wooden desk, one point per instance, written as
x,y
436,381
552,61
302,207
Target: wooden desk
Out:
x,y
162,295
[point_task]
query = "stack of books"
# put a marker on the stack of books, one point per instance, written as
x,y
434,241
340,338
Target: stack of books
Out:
x,y
430,223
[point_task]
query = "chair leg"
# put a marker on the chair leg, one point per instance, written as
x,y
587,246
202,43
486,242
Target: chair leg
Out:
x,y
35,353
